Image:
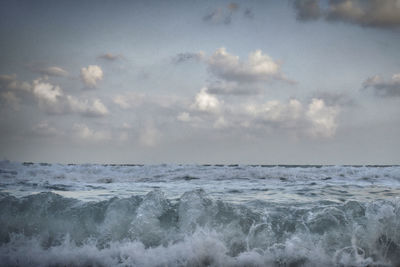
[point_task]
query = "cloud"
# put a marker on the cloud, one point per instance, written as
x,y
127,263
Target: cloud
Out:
x,y
232,88
46,93
129,100
235,76
224,15
91,75
11,99
132,100
53,100
313,118
53,71
221,123
7,79
122,101
50,98
206,102
367,13
12,91
85,107
185,57
384,88
275,111
248,13
82,131
184,116
10,83
322,118
219,16
45,129
334,98
109,57
258,67
307,9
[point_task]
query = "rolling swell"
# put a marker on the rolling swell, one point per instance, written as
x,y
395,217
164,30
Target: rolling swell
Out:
x,y
47,229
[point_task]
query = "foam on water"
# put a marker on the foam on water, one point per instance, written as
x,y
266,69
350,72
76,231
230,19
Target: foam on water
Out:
x,y
47,229
171,215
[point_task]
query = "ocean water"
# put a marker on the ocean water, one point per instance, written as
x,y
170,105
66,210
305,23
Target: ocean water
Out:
x,y
198,215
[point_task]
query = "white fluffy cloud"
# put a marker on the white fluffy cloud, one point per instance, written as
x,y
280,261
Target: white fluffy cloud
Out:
x,y
46,93
314,118
91,75
50,98
258,67
206,102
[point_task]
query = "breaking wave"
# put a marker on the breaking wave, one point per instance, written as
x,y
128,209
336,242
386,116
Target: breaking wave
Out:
x,y
47,229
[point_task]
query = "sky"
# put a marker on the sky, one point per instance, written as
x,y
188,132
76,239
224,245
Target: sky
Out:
x,y
250,82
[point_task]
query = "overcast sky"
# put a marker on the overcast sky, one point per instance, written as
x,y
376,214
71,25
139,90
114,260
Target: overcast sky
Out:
x,y
272,82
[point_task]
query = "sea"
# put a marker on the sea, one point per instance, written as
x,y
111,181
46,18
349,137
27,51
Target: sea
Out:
x,y
198,215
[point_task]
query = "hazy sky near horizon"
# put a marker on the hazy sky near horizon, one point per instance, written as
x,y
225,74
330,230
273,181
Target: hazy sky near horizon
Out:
x,y
274,82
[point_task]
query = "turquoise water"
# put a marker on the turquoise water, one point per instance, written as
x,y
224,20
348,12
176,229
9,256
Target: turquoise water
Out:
x,y
199,215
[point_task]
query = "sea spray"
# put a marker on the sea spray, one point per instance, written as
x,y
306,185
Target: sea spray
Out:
x,y
48,229
94,215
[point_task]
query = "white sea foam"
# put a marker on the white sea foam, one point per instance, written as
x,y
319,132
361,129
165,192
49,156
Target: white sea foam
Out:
x,y
190,215
47,230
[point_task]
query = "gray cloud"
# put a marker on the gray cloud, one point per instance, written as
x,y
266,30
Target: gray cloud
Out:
x,y
307,9
368,13
334,98
83,132
384,88
248,13
219,16
43,69
109,56
10,83
45,129
13,92
188,56
53,71
233,75
225,14
232,88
